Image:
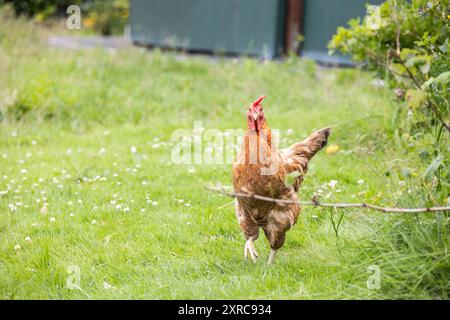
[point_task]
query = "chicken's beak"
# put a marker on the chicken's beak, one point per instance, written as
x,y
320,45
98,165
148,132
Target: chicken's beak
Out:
x,y
255,115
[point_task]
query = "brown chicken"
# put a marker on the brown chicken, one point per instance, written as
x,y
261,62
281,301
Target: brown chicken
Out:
x,y
261,169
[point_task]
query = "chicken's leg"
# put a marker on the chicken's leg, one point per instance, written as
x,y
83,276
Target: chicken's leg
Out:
x,y
250,248
271,257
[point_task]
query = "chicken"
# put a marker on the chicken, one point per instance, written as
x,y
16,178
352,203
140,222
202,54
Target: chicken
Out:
x,y
260,169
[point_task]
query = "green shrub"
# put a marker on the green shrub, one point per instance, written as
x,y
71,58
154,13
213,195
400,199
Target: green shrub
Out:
x,y
407,44
104,16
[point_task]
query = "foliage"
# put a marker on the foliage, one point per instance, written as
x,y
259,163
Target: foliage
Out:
x,y
104,16
407,44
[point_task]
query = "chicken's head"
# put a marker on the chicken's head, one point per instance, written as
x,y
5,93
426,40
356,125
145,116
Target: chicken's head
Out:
x,y
255,115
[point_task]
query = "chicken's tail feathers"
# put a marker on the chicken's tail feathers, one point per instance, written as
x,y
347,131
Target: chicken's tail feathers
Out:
x,y
310,146
297,156
316,141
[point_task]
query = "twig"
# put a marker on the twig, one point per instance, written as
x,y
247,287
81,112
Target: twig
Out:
x,y
316,203
226,205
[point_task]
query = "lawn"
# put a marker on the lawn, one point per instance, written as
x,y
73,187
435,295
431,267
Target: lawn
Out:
x,y
88,189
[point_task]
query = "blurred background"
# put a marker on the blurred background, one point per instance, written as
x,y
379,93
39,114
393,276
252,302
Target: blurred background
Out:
x,y
266,28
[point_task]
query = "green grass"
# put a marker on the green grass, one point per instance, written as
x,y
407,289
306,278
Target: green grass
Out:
x,y
66,136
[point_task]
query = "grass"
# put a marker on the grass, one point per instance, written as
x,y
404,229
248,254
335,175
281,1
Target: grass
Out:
x,y
70,119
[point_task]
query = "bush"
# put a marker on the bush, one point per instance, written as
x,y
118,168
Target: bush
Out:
x,y
104,16
407,44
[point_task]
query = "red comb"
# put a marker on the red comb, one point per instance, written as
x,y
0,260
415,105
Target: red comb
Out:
x,y
258,101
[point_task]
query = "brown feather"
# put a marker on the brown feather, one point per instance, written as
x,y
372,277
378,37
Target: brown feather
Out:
x,y
257,153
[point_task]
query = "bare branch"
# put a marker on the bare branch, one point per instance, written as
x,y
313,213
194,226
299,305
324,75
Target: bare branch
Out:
x,y
316,203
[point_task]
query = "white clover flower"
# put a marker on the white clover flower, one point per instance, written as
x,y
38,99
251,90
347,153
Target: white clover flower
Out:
x,y
143,210
71,214
360,181
52,219
17,247
126,209
154,203
332,184
28,239
133,149
101,151
23,171
44,209
94,221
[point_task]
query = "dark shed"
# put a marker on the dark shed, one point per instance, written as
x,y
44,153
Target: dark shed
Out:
x,y
265,28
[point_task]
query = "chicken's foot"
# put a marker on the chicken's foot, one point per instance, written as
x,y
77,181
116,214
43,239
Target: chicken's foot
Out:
x,y
271,257
250,248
